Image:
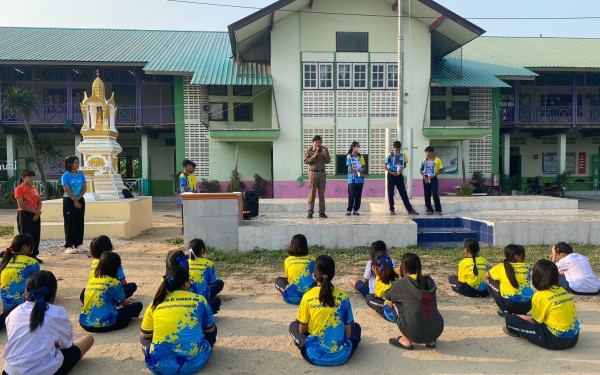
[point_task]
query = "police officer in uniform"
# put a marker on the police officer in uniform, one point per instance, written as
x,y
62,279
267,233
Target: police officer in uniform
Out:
x,y
316,157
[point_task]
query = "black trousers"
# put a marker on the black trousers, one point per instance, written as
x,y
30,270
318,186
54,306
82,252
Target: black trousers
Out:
x,y
280,284
300,338
71,356
124,315
7,310
505,304
27,225
432,189
398,183
129,289
216,287
74,222
538,334
354,196
466,289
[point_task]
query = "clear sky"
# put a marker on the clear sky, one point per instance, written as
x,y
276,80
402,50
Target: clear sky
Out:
x,y
163,14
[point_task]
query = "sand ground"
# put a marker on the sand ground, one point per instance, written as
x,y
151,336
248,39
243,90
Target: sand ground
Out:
x,y
253,325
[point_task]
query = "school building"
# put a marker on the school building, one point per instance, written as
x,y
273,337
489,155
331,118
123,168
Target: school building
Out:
x,y
256,95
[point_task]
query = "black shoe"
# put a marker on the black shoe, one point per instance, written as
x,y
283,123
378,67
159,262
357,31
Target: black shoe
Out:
x,y
355,213
438,212
501,313
310,215
348,213
508,332
322,215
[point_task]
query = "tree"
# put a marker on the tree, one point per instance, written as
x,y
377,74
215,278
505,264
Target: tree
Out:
x,y
19,101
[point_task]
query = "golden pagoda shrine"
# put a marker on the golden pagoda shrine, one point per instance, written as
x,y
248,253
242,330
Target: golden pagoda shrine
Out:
x,y
99,148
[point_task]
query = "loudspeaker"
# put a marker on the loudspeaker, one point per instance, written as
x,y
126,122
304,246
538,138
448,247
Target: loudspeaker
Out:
x,y
251,202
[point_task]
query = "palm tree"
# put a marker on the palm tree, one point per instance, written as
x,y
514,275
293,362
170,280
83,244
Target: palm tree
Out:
x,y
19,101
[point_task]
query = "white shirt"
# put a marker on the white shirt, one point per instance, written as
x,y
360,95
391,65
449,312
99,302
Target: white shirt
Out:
x,y
36,353
579,273
369,275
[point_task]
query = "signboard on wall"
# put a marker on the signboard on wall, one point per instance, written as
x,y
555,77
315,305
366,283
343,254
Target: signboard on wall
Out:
x,y
581,164
550,163
55,167
449,157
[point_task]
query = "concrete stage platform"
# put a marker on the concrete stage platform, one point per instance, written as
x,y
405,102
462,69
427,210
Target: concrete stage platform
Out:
x,y
123,218
493,220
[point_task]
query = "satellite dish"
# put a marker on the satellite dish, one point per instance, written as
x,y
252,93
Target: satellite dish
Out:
x,y
207,108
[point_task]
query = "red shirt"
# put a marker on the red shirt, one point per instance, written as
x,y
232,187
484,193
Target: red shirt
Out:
x,y
30,195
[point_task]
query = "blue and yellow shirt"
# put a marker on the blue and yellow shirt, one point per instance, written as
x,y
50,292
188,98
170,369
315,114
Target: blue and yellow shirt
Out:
x,y
299,275
431,167
202,274
120,273
396,160
14,277
178,342
523,274
380,289
76,183
187,180
555,308
101,296
467,276
326,344
358,162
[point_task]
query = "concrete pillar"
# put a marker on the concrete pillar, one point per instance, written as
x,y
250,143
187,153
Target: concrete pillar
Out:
x,y
78,140
10,154
506,155
562,153
145,188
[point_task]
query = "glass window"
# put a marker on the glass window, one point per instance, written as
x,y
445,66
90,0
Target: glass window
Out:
x,y
242,112
460,110
438,110
344,76
360,76
460,91
218,112
392,76
438,91
326,76
242,90
352,42
310,76
378,76
217,90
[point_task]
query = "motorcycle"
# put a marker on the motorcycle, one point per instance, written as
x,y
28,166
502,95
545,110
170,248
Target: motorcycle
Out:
x,y
555,189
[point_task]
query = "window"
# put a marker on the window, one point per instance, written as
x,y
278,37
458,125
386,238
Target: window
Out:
x,y
310,76
218,112
460,110
460,91
242,90
352,42
344,76
242,112
438,91
217,90
378,76
360,76
392,76
326,76
438,110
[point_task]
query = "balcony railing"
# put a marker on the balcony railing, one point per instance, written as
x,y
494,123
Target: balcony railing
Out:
x,y
551,115
126,114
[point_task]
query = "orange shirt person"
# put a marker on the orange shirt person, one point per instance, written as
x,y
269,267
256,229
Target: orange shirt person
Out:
x,y
29,210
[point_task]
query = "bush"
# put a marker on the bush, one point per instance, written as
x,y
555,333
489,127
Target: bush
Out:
x,y
260,186
235,183
466,190
207,186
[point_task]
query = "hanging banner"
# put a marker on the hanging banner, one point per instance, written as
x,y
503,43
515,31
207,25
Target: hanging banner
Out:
x,y
582,163
449,157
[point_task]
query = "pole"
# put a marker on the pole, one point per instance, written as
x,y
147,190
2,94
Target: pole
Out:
x,y
409,175
388,142
399,117
237,154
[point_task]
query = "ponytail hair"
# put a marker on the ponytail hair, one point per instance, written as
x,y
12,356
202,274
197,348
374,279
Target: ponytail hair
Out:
x,y
411,263
511,252
16,248
324,273
41,290
377,246
196,247
174,280
472,247
386,267
354,144
109,265
176,258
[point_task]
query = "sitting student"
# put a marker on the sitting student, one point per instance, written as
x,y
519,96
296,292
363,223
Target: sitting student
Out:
x,y
102,294
40,334
385,276
553,322
367,284
17,265
178,330
576,274
509,282
414,301
298,270
203,275
325,331
470,281
98,246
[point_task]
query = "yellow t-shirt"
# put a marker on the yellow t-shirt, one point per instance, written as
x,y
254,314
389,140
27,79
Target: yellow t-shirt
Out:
x,y
381,287
202,274
467,276
555,308
14,277
523,275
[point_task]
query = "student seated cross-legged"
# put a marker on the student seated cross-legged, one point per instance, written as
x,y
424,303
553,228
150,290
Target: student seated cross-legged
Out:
x,y
575,272
471,281
298,269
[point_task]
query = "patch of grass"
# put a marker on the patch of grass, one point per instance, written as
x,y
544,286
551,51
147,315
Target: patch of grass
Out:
x,y
174,241
6,231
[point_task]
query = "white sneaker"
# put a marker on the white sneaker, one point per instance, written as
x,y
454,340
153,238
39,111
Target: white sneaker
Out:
x,y
70,250
82,249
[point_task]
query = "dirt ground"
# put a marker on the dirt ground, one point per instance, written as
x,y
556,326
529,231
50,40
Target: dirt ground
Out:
x,y
253,325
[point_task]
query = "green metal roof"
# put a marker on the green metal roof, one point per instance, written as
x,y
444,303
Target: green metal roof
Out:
x,y
455,72
533,53
205,54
